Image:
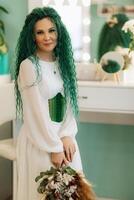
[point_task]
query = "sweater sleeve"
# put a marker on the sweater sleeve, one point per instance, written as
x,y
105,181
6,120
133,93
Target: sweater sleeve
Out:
x,y
69,126
35,109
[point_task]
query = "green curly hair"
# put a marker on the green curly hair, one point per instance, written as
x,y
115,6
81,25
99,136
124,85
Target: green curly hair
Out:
x,y
113,36
26,48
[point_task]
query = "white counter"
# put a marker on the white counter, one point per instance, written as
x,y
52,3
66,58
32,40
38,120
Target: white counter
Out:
x,y
106,97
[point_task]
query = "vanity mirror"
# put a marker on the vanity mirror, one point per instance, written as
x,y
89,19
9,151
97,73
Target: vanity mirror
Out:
x,y
84,22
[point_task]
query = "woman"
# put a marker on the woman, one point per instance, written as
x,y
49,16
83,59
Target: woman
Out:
x,y
45,83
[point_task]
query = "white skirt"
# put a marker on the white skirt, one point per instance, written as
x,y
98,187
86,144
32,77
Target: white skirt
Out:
x,y
31,161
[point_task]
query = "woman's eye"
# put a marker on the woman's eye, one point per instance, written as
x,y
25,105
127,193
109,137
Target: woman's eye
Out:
x,y
52,30
39,32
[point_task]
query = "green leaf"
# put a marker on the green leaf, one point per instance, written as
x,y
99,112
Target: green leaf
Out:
x,y
41,189
42,174
51,197
70,171
2,26
51,171
37,178
47,173
44,182
3,9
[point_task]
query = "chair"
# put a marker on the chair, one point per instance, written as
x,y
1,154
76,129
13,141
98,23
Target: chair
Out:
x,y
8,113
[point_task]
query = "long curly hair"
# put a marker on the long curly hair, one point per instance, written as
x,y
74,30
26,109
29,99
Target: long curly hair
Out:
x,y
112,34
26,48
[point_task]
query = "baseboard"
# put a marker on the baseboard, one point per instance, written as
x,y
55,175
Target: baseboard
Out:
x,y
107,118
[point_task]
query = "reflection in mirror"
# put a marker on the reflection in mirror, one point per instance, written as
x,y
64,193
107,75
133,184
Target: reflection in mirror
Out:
x,y
113,38
113,35
75,15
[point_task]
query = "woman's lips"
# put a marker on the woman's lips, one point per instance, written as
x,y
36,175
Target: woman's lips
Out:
x,y
47,43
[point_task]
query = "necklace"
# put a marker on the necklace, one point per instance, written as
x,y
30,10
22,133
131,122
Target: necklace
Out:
x,y
55,68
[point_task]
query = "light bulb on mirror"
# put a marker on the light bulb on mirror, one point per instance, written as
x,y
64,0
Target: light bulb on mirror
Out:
x,y
86,39
86,57
59,2
86,3
45,2
86,21
72,2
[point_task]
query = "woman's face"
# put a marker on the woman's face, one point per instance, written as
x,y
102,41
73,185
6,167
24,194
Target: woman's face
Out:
x,y
45,35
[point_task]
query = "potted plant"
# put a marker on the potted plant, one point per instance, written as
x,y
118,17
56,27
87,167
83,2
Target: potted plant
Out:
x,y
4,66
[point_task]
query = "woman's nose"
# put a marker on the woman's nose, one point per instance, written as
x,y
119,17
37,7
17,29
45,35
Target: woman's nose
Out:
x,y
46,36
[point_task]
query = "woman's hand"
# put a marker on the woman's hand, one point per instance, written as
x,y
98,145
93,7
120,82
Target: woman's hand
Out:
x,y
58,159
69,147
